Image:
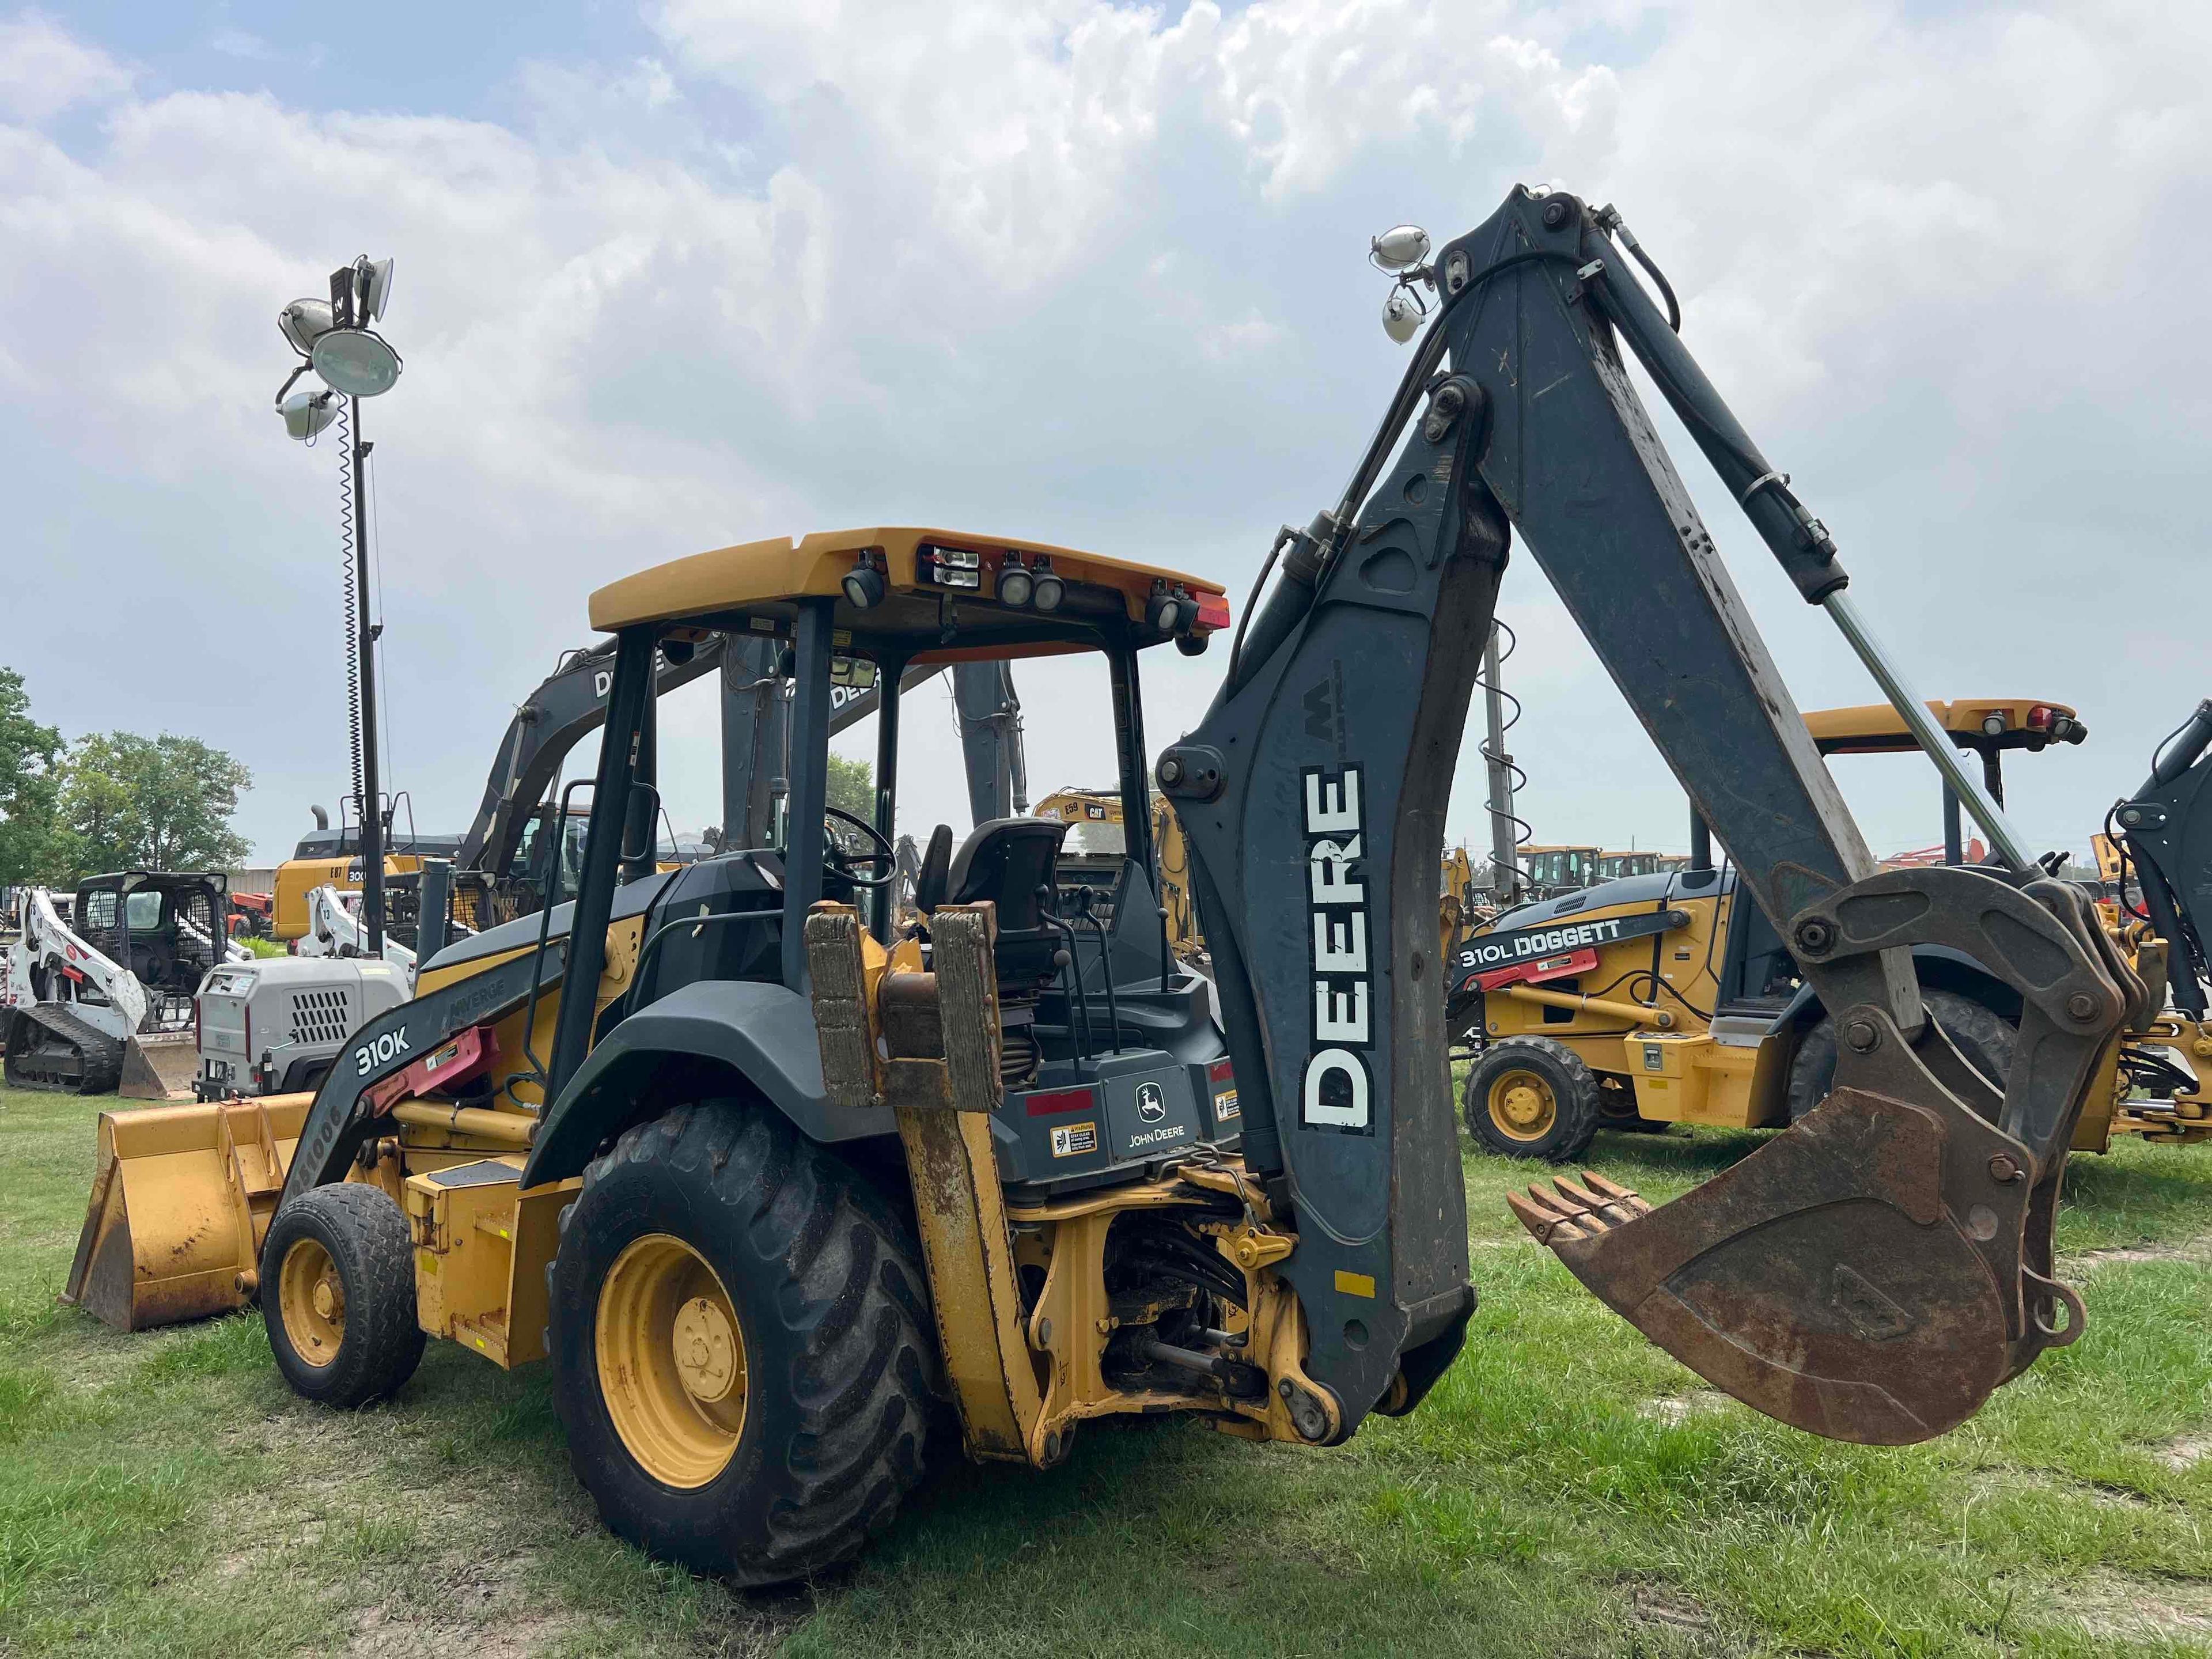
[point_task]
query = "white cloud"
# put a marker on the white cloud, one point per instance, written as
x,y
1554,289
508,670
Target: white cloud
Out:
x,y
241,43
1094,272
44,70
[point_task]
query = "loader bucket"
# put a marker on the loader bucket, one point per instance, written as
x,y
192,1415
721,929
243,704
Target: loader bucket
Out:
x,y
1824,1279
159,1067
181,1199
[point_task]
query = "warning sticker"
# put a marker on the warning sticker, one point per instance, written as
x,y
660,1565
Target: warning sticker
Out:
x,y
1224,1105
1074,1139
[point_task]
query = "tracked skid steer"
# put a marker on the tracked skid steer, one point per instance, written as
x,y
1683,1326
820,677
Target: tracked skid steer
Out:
x,y
761,1173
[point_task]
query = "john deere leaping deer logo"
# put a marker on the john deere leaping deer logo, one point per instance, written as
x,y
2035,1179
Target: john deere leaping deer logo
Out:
x,y
1151,1104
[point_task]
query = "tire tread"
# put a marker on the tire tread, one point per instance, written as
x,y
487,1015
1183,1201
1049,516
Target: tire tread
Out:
x,y
1574,1087
849,1299
367,1238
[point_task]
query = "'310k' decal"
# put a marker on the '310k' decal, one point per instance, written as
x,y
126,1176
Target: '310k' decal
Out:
x,y
390,1045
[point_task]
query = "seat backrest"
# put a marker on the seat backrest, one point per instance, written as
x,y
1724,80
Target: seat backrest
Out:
x,y
934,878
1008,861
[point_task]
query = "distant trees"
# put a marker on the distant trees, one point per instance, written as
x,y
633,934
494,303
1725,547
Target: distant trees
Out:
x,y
165,803
30,785
115,800
853,788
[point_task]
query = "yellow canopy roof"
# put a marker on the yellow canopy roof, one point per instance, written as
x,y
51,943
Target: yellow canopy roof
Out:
x,y
1877,728
762,579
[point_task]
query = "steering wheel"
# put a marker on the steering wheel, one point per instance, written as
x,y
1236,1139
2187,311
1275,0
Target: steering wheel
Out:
x,y
883,856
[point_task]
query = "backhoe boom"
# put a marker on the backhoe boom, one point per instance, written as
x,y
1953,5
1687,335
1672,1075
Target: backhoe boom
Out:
x,y
1900,1266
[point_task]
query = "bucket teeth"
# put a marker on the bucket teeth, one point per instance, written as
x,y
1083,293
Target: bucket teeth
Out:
x,y
1571,1212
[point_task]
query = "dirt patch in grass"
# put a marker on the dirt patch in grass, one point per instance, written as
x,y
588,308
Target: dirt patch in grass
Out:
x,y
1674,1409
1660,1604
2110,1608
2135,1253
2197,1249
2185,1451
389,1630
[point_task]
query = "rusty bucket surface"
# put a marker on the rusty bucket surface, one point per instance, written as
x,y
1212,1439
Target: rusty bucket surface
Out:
x,y
1827,1279
181,1199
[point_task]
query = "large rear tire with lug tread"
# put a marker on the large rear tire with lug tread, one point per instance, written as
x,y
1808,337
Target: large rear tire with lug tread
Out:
x,y
337,1295
1985,1037
1532,1096
743,1352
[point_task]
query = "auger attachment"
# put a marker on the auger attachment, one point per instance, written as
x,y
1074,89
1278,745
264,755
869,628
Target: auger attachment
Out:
x,y
1876,1272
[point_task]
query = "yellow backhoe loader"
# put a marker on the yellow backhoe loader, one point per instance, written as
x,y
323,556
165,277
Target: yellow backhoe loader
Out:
x,y
760,1173
1547,872
1611,866
1662,997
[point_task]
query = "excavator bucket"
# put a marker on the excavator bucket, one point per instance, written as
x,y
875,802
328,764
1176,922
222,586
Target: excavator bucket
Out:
x,y
1876,1272
159,1067
1821,1280
181,1199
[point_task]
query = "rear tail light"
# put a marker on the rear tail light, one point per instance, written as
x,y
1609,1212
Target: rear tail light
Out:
x,y
2039,717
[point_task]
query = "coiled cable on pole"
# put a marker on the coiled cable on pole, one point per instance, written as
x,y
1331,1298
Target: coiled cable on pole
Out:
x,y
1517,780
348,529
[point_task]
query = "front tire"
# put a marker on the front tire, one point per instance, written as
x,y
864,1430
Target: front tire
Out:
x,y
742,1354
337,1295
1532,1096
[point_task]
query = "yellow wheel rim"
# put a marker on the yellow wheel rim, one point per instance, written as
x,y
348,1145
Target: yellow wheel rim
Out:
x,y
1521,1105
312,1297
671,1359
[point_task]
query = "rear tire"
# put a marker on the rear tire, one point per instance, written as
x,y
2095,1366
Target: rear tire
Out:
x,y
1532,1096
338,1294
743,1353
1986,1038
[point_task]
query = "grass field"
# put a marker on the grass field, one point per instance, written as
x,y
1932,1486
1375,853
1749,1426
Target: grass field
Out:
x,y
1568,1490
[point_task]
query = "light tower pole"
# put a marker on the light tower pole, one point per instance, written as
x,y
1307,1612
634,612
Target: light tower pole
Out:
x,y
334,340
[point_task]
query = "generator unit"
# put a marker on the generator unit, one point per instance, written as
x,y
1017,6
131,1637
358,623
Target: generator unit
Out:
x,y
274,1025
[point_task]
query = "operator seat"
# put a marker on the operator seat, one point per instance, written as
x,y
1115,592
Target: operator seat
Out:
x,y
1012,862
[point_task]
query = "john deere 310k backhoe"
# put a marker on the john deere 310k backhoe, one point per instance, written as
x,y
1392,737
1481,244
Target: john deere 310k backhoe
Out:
x,y
759,1173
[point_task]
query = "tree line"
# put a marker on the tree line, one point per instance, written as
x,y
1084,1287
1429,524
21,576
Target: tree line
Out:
x,y
112,801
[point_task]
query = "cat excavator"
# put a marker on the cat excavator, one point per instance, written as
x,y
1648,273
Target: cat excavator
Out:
x,y
760,1171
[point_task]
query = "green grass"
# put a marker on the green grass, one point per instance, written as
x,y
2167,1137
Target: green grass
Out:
x,y
1567,1490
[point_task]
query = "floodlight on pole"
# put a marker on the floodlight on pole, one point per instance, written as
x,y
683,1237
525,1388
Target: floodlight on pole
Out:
x,y
306,413
372,279
301,321
332,337
355,362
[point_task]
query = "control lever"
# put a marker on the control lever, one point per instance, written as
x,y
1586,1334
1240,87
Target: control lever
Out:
x,y
1085,898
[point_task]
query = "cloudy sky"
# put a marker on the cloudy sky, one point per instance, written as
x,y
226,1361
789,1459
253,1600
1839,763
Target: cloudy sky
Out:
x,y
697,272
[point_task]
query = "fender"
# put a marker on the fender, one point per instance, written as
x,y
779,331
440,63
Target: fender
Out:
x,y
762,1032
